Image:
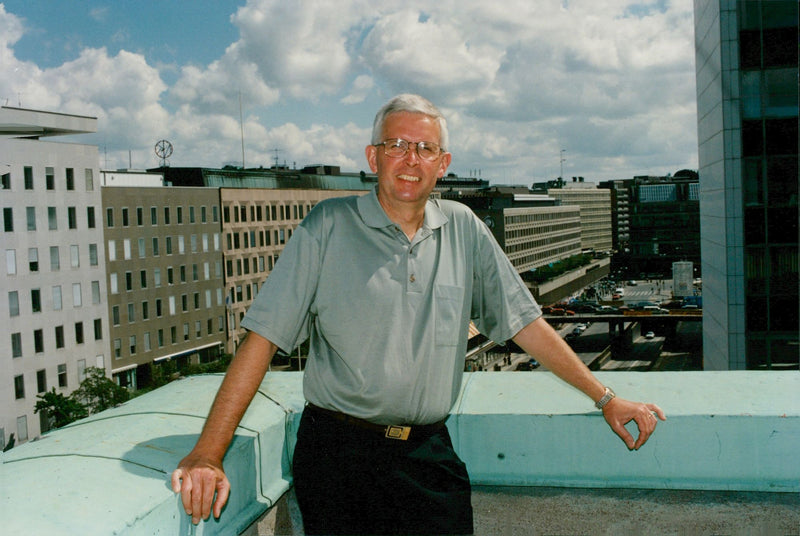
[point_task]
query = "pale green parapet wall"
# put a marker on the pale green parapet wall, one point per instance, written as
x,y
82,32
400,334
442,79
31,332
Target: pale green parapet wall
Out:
x,y
725,431
109,474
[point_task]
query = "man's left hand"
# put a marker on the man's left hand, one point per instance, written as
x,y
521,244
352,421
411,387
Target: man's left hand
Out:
x,y
618,412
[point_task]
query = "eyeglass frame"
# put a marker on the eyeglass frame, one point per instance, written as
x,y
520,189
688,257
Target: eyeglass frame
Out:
x,y
439,148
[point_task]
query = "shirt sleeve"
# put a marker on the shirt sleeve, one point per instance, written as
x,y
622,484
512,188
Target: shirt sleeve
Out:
x,y
280,312
501,302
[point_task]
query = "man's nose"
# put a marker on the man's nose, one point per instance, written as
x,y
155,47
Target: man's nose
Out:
x,y
411,155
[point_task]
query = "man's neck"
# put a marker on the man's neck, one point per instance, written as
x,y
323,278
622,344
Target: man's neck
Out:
x,y
410,218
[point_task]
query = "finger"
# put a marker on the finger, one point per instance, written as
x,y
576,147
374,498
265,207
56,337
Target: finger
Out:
x,y
208,496
223,490
197,502
658,411
186,493
647,425
623,433
177,474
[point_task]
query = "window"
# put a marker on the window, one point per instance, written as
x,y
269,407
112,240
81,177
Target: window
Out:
x,y
13,303
38,341
157,277
143,278
77,300
191,214
30,215
57,306
62,373
41,381
74,256
5,181
109,217
36,300
147,346
179,216
59,334
112,250
93,254
155,246
185,331
52,218
145,310
11,261
8,220
28,173
19,387
169,245
142,252
128,281
55,259
95,292
78,332
132,343
113,284
139,216
166,215
125,221
153,216
115,315
98,329
126,248
72,218
33,260
16,344
90,221
89,176
131,313
117,348
70,178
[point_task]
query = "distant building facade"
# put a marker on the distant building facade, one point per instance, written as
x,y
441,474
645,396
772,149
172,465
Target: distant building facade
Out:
x,y
747,121
595,209
164,277
53,298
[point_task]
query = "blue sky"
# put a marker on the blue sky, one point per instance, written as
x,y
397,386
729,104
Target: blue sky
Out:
x,y
611,82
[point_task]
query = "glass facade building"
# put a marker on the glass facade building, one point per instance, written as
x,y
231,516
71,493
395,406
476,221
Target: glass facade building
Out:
x,y
747,99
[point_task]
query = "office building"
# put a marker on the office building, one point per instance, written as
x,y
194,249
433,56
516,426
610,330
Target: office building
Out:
x,y
53,298
747,121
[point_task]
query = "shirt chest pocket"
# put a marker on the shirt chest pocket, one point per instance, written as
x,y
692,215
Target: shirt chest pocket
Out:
x,y
448,304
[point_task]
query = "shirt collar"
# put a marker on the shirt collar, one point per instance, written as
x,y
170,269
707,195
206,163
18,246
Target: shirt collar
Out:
x,y
374,216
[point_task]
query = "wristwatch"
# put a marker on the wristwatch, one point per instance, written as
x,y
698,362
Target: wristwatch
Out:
x,y
605,399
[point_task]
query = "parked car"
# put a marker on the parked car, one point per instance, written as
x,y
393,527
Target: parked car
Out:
x,y
649,335
531,364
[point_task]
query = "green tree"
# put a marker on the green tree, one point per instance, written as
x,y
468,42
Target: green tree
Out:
x,y
98,393
59,409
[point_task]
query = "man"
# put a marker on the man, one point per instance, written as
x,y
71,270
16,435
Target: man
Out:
x,y
385,285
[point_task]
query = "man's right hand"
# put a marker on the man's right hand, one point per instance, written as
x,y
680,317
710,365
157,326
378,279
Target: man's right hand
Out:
x,y
201,483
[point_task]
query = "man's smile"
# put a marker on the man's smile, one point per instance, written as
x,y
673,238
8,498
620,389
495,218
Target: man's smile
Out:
x,y
409,178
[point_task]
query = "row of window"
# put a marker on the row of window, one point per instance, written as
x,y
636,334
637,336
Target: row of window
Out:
x,y
41,381
247,239
173,336
17,349
55,258
28,179
144,279
205,244
139,215
239,213
52,218
56,298
144,310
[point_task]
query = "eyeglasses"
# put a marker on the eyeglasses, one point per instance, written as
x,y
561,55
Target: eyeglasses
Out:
x,y
398,148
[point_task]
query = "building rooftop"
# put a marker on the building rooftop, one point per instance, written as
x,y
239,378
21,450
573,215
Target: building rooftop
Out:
x,y
723,462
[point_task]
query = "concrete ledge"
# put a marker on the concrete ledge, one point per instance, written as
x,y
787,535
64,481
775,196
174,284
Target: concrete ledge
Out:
x,y
109,474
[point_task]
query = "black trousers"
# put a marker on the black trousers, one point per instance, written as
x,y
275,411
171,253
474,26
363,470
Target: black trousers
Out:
x,y
349,480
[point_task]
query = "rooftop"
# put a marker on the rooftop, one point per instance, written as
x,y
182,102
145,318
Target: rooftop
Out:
x,y
725,462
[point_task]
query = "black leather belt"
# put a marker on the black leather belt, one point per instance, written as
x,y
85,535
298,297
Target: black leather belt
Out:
x,y
390,431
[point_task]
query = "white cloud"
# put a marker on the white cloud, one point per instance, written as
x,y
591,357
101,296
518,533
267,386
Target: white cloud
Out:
x,y
610,81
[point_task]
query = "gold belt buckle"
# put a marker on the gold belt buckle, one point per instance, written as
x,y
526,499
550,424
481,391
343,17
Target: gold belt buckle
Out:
x,y
398,432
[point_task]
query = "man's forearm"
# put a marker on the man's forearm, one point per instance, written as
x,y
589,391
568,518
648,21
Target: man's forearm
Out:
x,y
237,390
542,342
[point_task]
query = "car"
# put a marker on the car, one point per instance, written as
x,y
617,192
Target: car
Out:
x,y
581,327
649,335
616,296
632,283
575,332
531,364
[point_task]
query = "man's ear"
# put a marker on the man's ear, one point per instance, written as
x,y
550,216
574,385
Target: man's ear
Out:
x,y
445,163
372,157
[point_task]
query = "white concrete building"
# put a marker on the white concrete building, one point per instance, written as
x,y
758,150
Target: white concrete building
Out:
x,y
53,296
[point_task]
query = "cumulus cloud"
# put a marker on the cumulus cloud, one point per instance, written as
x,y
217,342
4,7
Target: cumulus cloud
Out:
x,y
610,81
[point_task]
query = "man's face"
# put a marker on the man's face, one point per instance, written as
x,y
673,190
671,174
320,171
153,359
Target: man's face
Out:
x,y
407,181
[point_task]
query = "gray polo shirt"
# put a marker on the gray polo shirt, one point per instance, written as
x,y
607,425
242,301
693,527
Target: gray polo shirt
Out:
x,y
387,317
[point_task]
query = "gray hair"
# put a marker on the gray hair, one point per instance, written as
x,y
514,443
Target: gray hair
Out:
x,y
413,104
